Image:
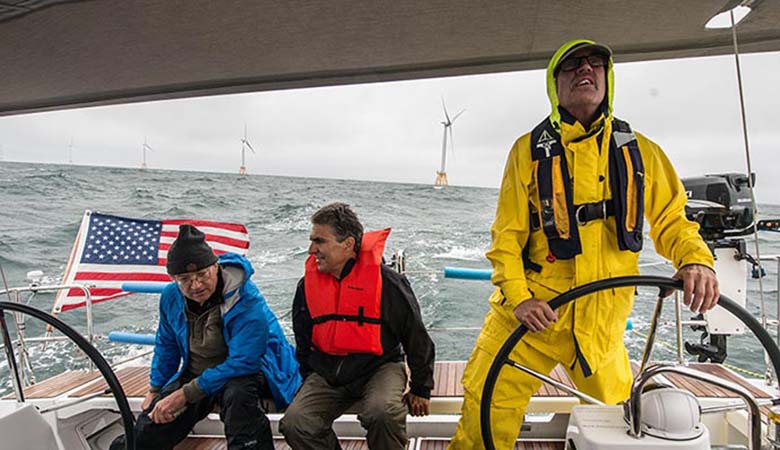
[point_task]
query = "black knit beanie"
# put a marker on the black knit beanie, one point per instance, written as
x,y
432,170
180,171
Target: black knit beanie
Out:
x,y
189,252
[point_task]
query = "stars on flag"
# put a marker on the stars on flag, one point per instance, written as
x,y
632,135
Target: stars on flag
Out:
x,y
116,240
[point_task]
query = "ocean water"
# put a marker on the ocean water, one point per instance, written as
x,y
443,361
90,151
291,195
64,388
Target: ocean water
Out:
x,y
41,207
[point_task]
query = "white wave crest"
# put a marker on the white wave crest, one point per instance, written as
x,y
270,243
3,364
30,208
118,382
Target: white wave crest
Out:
x,y
266,257
463,253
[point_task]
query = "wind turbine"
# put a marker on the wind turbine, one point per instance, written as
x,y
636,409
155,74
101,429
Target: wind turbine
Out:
x,y
144,148
244,145
441,174
70,151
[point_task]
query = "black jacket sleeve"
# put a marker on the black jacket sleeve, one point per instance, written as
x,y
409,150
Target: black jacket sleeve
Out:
x,y
405,322
302,326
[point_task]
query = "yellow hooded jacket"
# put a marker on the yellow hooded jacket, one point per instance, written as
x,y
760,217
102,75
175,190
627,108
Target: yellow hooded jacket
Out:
x,y
596,324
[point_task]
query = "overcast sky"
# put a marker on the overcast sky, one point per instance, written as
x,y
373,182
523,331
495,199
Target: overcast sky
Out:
x,y
392,131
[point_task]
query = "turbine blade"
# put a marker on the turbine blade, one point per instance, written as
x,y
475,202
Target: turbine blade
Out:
x,y
250,147
458,115
446,114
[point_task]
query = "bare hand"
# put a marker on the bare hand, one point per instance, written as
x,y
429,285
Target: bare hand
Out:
x,y
167,409
700,287
418,406
148,400
535,314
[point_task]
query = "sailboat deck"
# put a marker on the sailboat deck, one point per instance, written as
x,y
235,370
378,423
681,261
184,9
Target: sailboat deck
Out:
x,y
279,444
360,444
447,375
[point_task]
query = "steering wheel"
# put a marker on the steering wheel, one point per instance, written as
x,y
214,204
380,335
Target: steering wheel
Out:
x,y
128,420
502,357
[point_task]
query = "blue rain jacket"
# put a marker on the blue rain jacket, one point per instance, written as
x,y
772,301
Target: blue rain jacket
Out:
x,y
254,338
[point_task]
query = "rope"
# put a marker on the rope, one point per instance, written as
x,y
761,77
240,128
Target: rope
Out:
x,y
751,187
662,343
730,366
745,371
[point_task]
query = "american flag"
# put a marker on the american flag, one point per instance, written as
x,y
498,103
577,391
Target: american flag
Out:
x,y
112,250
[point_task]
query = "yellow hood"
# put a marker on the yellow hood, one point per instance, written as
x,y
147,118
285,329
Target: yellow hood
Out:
x,y
552,88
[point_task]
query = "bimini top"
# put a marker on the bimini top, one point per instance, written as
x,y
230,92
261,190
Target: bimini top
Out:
x,y
66,53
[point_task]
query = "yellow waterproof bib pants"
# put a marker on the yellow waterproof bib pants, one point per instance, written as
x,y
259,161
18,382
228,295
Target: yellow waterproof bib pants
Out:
x,y
513,390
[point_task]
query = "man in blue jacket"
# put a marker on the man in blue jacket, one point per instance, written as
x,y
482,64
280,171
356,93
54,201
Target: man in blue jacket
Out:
x,y
217,343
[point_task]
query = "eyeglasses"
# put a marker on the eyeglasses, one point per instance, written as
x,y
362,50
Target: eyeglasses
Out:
x,y
574,62
200,276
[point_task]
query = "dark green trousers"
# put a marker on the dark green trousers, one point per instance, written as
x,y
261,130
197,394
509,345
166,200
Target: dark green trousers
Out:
x,y
377,399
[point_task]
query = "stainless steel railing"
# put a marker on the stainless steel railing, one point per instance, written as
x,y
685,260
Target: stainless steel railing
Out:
x,y
22,374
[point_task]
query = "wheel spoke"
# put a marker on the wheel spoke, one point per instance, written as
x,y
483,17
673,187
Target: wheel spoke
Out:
x,y
575,392
10,355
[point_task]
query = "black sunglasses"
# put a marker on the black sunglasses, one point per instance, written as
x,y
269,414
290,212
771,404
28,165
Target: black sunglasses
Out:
x,y
574,62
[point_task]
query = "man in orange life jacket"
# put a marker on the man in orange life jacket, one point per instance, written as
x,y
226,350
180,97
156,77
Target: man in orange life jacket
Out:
x,y
353,319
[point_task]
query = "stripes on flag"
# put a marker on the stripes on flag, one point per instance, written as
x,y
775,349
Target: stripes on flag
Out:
x,y
112,250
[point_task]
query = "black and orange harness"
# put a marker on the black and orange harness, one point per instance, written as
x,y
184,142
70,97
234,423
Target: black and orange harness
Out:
x,y
557,214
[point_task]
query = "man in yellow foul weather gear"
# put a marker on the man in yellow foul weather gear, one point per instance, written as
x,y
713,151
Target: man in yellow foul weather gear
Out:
x,y
573,199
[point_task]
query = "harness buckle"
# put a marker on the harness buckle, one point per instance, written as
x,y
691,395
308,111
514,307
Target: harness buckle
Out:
x,y
581,216
580,222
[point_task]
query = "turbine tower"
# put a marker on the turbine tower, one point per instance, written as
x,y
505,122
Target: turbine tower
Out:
x,y
144,148
244,145
70,151
441,174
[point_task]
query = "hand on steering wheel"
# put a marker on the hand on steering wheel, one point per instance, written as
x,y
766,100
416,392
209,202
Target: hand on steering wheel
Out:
x,y
531,313
535,314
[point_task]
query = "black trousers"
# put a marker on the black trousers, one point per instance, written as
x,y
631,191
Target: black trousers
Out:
x,y
246,426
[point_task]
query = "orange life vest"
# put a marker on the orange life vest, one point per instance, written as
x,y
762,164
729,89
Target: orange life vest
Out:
x,y
347,313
